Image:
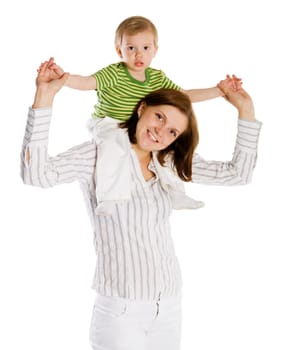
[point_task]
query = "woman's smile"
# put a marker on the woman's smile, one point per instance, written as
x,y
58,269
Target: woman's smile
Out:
x,y
152,137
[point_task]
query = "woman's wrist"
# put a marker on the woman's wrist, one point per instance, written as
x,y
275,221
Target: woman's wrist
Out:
x,y
247,113
43,98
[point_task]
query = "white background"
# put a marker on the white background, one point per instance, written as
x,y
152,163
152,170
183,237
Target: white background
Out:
x,y
231,251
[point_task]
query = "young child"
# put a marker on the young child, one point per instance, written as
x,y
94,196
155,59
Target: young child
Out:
x,y
119,87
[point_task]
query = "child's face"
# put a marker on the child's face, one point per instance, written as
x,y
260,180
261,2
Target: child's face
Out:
x,y
137,51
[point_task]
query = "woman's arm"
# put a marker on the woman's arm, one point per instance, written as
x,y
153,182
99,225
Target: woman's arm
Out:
x,y
239,170
37,168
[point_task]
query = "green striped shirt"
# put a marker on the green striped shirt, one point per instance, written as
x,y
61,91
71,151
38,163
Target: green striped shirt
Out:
x,y
118,92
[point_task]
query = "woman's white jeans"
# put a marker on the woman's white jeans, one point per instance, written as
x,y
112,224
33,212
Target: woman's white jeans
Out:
x,y
123,324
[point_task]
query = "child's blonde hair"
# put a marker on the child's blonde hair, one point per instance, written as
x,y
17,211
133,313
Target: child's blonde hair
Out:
x,y
134,25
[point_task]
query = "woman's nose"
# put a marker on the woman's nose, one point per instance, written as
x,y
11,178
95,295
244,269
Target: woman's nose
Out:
x,y
159,131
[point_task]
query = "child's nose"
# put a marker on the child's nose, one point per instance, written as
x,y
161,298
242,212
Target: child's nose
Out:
x,y
138,52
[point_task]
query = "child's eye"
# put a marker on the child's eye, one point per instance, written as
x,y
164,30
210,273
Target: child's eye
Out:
x,y
146,48
131,48
159,116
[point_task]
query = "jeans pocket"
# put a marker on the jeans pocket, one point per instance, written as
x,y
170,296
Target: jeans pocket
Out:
x,y
111,308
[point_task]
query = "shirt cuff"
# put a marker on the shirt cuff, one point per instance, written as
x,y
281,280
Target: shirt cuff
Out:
x,y
248,134
38,124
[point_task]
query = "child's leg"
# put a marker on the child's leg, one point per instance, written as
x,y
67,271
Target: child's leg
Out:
x,y
112,175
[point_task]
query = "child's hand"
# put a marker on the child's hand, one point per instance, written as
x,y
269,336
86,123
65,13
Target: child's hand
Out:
x,y
44,77
231,83
52,70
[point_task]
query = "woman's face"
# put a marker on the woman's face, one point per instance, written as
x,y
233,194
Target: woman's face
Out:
x,y
159,126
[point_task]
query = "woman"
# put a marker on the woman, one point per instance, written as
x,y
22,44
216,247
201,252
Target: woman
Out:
x,y
137,279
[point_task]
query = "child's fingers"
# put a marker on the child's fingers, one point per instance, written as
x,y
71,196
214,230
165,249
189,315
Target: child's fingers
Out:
x,y
50,61
235,77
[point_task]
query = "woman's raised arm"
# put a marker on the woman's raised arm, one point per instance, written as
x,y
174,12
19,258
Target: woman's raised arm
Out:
x,y
37,168
47,86
238,170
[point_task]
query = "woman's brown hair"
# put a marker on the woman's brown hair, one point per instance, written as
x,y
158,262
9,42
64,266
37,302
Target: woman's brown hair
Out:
x,y
180,152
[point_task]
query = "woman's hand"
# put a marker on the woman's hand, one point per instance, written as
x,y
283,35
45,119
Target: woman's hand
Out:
x,y
54,71
238,98
47,85
230,82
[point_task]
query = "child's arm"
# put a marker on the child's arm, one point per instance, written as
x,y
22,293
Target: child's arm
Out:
x,y
80,82
74,81
198,95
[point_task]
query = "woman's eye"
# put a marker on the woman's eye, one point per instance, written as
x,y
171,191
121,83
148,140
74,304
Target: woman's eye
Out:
x,y
173,133
159,116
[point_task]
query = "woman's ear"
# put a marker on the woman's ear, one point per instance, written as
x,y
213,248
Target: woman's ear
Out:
x,y
141,108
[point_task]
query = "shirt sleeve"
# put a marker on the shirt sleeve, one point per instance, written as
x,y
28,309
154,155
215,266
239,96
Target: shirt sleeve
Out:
x,y
237,171
168,83
38,169
106,77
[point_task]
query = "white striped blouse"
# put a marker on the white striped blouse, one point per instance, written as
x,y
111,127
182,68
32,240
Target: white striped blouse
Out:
x,y
135,252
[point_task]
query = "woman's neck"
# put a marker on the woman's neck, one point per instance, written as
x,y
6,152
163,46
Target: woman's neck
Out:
x,y
142,155
144,158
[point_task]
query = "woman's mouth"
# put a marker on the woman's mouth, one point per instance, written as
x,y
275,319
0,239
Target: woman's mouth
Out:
x,y
152,137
